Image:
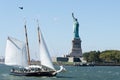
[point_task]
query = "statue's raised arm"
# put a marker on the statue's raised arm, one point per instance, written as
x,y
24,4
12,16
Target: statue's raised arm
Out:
x,y
73,16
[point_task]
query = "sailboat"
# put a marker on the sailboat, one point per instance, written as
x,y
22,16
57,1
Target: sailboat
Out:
x,y
16,55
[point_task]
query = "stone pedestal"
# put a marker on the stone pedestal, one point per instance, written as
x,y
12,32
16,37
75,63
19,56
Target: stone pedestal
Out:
x,y
76,48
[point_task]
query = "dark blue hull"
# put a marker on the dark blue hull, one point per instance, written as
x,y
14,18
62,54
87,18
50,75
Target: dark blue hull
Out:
x,y
49,74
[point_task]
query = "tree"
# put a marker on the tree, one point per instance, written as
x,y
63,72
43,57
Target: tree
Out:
x,y
92,56
104,56
110,56
86,56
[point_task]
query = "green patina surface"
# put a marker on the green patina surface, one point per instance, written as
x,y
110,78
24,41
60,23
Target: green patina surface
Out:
x,y
75,27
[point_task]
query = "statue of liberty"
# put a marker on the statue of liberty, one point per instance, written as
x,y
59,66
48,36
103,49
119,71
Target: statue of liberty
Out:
x,y
75,27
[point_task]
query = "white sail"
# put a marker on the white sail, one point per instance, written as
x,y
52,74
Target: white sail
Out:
x,y
44,54
15,54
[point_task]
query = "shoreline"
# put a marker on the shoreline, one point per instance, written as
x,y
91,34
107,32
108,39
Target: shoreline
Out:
x,y
75,64
86,64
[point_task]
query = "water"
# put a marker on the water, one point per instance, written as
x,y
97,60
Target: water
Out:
x,y
73,73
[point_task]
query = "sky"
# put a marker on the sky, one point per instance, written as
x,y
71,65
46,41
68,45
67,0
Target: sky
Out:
x,y
99,21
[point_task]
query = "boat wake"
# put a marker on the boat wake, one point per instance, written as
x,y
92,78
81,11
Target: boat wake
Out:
x,y
62,69
5,75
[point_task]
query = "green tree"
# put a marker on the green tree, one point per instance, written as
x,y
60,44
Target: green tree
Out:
x,y
92,56
86,56
104,56
110,56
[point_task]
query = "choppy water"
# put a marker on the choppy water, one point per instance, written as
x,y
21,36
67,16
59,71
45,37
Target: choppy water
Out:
x,y
73,73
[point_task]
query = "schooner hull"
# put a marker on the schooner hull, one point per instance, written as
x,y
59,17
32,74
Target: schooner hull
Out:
x,y
39,74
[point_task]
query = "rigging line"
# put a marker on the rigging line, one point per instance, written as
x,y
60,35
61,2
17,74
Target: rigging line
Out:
x,y
14,43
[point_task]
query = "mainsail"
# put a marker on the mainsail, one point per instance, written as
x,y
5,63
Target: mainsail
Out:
x,y
15,54
44,53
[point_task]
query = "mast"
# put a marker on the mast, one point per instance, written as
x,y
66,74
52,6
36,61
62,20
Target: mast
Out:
x,y
38,32
28,53
39,36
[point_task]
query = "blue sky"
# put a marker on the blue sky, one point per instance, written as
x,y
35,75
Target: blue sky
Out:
x,y
99,24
